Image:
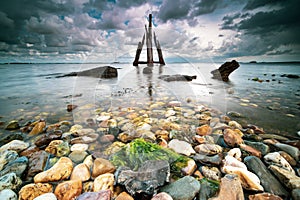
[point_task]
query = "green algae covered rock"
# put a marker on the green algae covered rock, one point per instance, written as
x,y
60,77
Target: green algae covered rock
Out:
x,y
137,152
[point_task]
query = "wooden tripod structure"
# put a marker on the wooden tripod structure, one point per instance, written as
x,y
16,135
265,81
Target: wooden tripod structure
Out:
x,y
149,61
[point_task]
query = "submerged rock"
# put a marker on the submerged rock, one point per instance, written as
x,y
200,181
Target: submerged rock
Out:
x,y
185,188
98,72
177,77
181,147
146,179
12,125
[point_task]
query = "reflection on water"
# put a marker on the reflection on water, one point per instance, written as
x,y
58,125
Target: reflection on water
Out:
x,y
30,91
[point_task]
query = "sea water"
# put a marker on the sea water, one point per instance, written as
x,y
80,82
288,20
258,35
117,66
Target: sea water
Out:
x,y
272,103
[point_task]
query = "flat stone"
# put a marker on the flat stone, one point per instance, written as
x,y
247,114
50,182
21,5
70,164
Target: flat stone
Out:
x,y
151,175
79,147
81,172
263,148
268,181
37,162
68,190
12,125
293,151
8,194
10,181
212,173
46,196
78,156
181,147
101,195
15,145
230,188
208,149
102,166
60,171
6,157
185,188
17,166
86,139
204,130
33,190
38,128
264,196
288,178
47,138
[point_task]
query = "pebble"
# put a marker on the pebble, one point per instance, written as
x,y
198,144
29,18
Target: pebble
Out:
x,y
288,178
264,196
204,130
58,148
102,166
60,171
101,195
81,172
104,182
125,196
232,138
37,162
78,156
6,157
184,188
10,181
208,149
46,196
8,194
230,188
161,196
68,190
17,166
181,147
38,128
15,145
12,125
33,190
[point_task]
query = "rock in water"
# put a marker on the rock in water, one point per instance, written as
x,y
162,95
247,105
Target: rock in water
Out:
x,y
230,188
10,181
185,188
181,147
268,181
17,166
177,77
98,72
147,179
225,70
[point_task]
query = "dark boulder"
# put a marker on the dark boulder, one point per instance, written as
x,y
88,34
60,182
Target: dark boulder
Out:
x,y
98,72
290,76
225,70
177,77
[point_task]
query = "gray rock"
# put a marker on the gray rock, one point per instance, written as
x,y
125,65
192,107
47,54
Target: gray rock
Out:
x,y
288,178
207,191
10,181
293,151
296,194
8,194
268,181
147,179
263,148
12,136
78,156
98,72
185,188
177,77
208,160
6,157
17,166
223,72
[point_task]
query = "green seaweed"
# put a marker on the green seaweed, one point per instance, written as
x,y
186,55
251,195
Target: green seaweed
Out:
x,y
135,153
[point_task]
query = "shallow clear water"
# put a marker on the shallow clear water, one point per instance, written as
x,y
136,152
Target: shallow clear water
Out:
x,y
28,90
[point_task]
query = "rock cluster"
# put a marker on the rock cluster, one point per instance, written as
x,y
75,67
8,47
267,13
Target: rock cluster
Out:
x,y
163,150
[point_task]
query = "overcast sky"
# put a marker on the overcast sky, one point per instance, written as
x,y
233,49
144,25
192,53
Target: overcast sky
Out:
x,y
109,30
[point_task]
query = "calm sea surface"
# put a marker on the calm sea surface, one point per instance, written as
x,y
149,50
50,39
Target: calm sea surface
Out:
x,y
31,90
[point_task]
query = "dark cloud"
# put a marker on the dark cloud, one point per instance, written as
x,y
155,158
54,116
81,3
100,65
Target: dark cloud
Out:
x,y
253,4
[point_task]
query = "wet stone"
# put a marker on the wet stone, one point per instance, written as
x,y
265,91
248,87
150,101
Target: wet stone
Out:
x,y
17,166
181,147
208,160
38,128
268,181
47,138
31,191
37,162
81,172
8,194
293,151
288,158
212,173
146,179
15,145
162,196
12,125
102,166
58,148
12,136
232,138
288,178
207,190
275,158
104,182
185,188
78,156
263,148
6,157
101,195
264,196
10,181
230,188
68,190
208,149
46,196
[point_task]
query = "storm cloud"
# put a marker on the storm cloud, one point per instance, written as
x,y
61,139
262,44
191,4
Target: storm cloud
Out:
x,y
58,30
